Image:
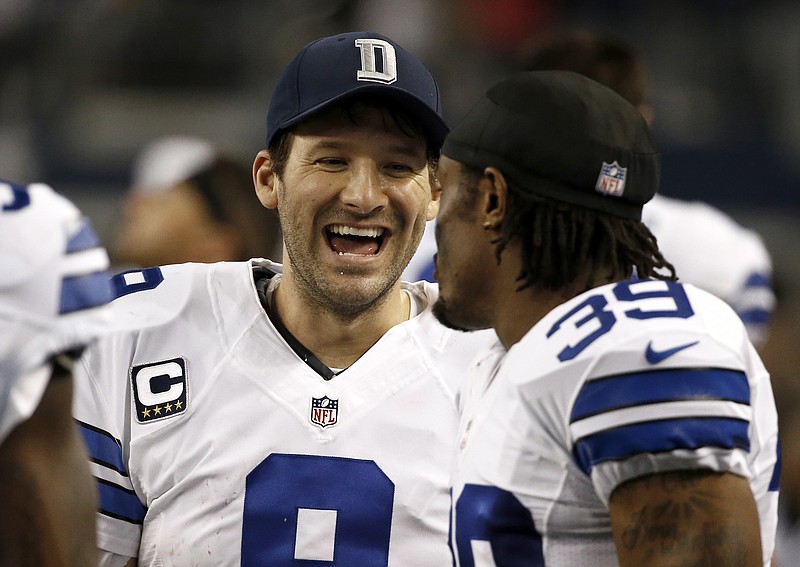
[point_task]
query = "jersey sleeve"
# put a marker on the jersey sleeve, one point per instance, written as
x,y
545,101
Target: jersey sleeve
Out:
x,y
637,424
121,511
675,398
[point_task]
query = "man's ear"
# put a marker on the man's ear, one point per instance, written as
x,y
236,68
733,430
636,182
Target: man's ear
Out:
x,y
494,198
265,180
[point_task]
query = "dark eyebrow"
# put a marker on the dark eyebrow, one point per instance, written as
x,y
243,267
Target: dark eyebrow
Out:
x,y
407,150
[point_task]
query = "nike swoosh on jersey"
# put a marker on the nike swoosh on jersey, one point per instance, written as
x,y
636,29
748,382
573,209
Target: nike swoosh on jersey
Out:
x,y
655,356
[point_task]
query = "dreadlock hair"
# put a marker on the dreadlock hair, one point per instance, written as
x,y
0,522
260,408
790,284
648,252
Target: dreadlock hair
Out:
x,y
562,242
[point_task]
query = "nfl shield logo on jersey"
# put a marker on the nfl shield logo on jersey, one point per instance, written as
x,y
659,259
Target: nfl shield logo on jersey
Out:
x,y
324,411
159,389
611,180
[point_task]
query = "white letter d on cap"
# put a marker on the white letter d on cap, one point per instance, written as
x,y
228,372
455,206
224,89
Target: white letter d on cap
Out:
x,y
371,50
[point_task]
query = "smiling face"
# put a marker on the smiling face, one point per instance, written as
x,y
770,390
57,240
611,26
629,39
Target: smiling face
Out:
x,y
353,201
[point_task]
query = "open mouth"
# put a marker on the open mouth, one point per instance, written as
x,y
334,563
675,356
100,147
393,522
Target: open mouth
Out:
x,y
352,241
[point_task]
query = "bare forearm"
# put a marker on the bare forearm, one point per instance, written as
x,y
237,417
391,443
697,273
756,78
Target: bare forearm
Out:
x,y
24,536
48,497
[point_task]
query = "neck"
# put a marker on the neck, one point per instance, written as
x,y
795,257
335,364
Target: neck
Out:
x,y
337,339
516,313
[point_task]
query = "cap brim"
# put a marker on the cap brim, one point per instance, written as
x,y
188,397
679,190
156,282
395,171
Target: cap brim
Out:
x,y
435,127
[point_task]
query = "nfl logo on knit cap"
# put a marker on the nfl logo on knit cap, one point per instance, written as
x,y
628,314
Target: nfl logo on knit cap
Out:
x,y
611,180
333,68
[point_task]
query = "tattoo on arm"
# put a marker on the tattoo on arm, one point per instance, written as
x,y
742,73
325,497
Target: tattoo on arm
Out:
x,y
682,518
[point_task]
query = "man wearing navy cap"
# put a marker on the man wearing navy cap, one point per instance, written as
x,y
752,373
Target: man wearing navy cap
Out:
x,y
627,419
254,413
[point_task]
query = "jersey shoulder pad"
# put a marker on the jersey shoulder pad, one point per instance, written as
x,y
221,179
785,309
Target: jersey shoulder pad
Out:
x,y
155,296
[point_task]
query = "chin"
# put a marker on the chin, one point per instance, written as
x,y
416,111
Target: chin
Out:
x,y
452,319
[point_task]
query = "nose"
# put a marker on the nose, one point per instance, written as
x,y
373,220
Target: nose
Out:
x,y
364,192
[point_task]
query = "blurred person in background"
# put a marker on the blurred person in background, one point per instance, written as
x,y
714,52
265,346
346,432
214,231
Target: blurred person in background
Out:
x,y
190,203
53,294
782,358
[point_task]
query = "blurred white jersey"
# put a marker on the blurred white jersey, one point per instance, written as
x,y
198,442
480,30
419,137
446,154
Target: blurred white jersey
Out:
x,y
53,292
712,251
214,443
625,380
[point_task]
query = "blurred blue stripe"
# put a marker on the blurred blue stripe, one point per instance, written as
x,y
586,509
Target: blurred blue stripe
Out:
x,y
84,239
84,292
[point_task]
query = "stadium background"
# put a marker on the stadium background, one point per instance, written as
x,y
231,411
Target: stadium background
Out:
x,y
84,84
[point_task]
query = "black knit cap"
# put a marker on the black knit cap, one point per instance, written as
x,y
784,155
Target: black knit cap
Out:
x,y
560,135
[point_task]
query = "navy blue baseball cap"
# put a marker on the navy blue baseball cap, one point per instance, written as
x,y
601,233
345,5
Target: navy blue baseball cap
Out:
x,y
331,69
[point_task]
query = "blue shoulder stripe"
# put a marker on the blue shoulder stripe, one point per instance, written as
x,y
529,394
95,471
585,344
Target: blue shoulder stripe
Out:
x,y
679,384
755,316
84,292
120,503
84,239
660,437
103,448
775,481
757,279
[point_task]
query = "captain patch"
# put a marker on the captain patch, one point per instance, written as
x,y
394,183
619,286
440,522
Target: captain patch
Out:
x,y
159,389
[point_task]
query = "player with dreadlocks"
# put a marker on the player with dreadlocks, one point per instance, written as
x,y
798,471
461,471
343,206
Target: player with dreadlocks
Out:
x,y
626,418
559,241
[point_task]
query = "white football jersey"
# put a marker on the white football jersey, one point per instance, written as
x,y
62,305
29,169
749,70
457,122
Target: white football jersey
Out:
x,y
214,443
625,380
712,251
53,292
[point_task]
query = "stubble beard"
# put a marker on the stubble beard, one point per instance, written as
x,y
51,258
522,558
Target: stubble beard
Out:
x,y
349,297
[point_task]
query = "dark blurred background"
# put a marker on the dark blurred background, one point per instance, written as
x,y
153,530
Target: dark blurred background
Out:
x,y
85,84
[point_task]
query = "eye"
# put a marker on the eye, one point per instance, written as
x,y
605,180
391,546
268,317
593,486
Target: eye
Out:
x,y
331,163
399,167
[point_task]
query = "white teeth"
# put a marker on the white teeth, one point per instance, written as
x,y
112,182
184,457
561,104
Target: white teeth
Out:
x,y
343,229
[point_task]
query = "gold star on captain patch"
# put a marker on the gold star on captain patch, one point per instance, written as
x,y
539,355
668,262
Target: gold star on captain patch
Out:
x,y
178,405
168,407
157,410
146,413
